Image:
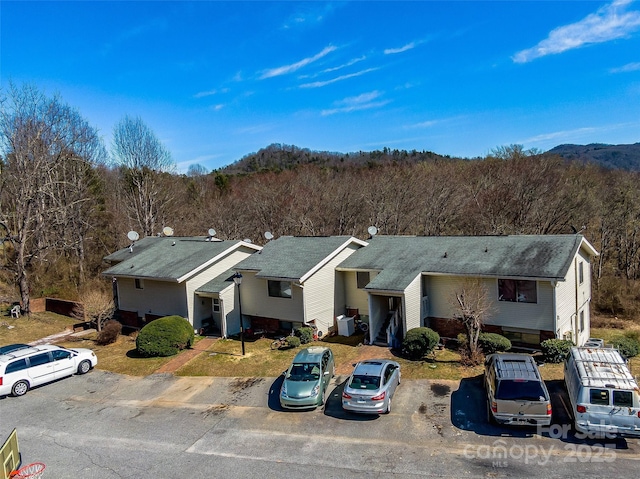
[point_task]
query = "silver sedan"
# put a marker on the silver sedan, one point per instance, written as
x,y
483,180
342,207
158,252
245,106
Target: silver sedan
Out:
x,y
371,386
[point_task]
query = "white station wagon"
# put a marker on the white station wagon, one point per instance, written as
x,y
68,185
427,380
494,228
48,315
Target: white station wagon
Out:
x,y
23,367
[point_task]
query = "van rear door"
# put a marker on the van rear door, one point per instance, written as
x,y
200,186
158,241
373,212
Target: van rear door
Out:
x,y
624,415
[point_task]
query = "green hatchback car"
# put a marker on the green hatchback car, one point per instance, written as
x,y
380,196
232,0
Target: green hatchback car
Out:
x,y
307,379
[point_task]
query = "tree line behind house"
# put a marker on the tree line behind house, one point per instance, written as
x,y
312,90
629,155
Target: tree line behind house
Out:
x,y
67,200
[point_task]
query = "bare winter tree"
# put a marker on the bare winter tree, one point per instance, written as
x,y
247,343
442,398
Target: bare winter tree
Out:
x,y
45,144
473,307
143,160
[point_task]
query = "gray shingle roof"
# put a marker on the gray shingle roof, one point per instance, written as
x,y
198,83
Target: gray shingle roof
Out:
x,y
291,257
219,283
166,258
401,258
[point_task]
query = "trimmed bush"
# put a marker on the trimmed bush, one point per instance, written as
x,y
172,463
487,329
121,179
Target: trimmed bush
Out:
x,y
418,342
165,337
110,332
491,343
305,334
556,350
628,346
293,341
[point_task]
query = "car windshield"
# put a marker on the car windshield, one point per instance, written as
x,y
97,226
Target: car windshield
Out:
x,y
520,390
304,372
365,382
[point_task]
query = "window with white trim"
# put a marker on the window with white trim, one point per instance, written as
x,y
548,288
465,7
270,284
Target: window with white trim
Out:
x,y
517,291
362,278
279,289
139,283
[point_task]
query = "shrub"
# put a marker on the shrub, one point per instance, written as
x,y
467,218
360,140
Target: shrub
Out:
x,y
493,343
293,341
556,350
419,342
305,334
110,332
165,337
628,346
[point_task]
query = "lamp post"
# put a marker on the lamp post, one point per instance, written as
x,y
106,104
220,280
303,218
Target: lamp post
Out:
x,y
237,278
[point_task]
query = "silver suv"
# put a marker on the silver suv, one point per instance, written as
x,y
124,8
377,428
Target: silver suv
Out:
x,y
516,394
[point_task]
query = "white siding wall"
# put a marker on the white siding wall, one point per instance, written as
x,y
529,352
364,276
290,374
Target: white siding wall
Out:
x,y
571,301
257,302
354,297
537,316
319,292
229,311
412,304
158,297
197,314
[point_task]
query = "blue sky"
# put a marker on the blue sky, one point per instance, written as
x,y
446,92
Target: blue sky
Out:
x,y
219,80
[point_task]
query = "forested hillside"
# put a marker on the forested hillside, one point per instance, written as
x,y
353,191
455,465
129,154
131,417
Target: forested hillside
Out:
x,y
65,202
625,157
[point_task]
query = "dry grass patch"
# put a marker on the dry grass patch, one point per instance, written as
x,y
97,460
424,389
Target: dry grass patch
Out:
x,y
26,329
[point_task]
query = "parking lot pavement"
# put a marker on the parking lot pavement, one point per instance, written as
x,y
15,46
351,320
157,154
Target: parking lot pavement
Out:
x,y
103,425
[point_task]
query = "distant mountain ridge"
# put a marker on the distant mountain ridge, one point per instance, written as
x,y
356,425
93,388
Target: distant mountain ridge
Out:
x,y
281,157
622,157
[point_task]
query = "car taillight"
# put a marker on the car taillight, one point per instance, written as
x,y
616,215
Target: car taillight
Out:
x,y
581,409
548,409
494,406
1,385
379,397
346,396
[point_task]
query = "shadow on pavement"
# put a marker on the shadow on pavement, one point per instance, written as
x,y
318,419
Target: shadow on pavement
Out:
x,y
333,406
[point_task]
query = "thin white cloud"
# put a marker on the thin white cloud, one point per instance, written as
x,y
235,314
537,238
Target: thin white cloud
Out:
x,y
629,67
217,107
610,22
560,134
309,15
363,101
286,69
319,84
393,51
204,94
424,124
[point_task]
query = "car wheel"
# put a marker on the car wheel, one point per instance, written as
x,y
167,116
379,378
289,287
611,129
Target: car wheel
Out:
x,y
84,367
20,388
388,406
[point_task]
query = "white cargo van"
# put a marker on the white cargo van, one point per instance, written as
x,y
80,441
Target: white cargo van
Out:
x,y
604,396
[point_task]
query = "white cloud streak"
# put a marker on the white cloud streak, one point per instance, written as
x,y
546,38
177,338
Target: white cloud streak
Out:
x,y
204,94
286,69
319,84
393,51
609,23
357,103
629,67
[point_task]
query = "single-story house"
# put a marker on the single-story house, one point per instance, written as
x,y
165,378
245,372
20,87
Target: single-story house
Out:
x,y
185,276
292,282
539,285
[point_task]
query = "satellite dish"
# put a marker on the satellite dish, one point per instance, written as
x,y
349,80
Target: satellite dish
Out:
x,y
212,232
268,235
247,240
167,231
133,236
372,230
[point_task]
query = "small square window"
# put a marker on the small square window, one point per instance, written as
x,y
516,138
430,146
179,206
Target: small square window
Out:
x,y
139,283
599,397
623,398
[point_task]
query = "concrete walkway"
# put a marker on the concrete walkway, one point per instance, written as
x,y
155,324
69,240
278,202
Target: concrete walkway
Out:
x,y
187,355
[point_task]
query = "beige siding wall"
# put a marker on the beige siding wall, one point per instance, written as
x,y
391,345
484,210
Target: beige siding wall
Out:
x,y
354,297
516,315
319,292
158,297
257,302
412,303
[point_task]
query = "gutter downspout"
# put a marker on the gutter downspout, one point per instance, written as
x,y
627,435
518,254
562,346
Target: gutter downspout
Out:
x,y
577,312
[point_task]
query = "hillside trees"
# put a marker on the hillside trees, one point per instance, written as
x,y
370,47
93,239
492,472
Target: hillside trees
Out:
x,y
48,152
143,162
